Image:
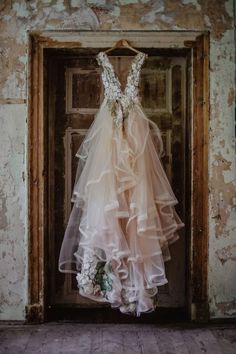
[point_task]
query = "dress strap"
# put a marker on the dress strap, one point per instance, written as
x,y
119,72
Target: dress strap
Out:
x,y
103,60
134,74
110,81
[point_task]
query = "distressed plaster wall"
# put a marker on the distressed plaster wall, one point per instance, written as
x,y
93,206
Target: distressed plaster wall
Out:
x,y
18,17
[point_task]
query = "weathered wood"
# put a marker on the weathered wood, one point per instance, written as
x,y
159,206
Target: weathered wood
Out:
x,y
14,341
178,342
105,39
200,177
112,341
148,342
45,341
188,181
163,340
81,344
131,341
123,339
34,309
190,343
226,339
206,341
96,342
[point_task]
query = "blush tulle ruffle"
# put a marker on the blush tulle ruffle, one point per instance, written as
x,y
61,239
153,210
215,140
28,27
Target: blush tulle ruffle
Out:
x,y
123,218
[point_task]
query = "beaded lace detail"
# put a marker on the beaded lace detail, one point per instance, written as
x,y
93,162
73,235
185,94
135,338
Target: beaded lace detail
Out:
x,y
120,102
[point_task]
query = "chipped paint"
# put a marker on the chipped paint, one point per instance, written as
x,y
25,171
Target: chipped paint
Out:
x,y
13,235
224,191
96,2
3,208
21,10
18,17
128,2
222,178
227,253
193,3
227,308
231,96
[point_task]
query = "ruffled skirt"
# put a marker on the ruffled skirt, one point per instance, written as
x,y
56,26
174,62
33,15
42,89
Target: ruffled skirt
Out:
x,y
123,217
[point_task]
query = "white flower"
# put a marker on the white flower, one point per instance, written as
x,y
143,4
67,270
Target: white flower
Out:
x,y
78,277
88,288
84,280
96,289
86,266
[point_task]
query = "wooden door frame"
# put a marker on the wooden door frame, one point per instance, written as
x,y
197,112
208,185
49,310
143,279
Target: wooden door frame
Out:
x,y
198,45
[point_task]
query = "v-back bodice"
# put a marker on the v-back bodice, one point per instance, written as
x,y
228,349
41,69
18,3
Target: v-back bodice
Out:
x,y
120,101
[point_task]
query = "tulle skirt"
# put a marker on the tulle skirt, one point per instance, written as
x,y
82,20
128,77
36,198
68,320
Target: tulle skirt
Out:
x,y
123,217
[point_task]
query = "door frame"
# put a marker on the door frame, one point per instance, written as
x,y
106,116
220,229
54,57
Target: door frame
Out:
x,y
197,44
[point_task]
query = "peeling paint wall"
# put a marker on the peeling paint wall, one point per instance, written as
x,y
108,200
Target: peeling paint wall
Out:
x,y
222,197
13,261
20,17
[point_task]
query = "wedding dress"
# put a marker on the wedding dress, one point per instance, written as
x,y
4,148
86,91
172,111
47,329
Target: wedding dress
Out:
x,y
123,217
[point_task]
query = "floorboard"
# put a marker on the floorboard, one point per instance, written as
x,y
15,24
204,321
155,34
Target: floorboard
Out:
x,y
77,338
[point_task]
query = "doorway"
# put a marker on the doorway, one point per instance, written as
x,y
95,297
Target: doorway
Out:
x,y
165,86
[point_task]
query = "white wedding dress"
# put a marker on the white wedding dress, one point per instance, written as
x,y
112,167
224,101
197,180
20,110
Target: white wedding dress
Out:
x,y
123,217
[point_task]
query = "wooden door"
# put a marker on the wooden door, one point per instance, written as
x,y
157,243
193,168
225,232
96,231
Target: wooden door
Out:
x,y
74,94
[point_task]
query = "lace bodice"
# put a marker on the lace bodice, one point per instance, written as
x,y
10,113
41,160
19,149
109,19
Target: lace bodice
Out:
x,y
120,101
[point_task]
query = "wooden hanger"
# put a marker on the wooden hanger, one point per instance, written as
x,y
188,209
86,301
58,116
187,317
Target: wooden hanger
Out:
x,y
122,43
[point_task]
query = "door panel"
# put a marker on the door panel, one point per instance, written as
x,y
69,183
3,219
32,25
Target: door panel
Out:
x,y
76,91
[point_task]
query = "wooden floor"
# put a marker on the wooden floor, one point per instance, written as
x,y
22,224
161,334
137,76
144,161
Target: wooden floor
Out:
x,y
74,338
